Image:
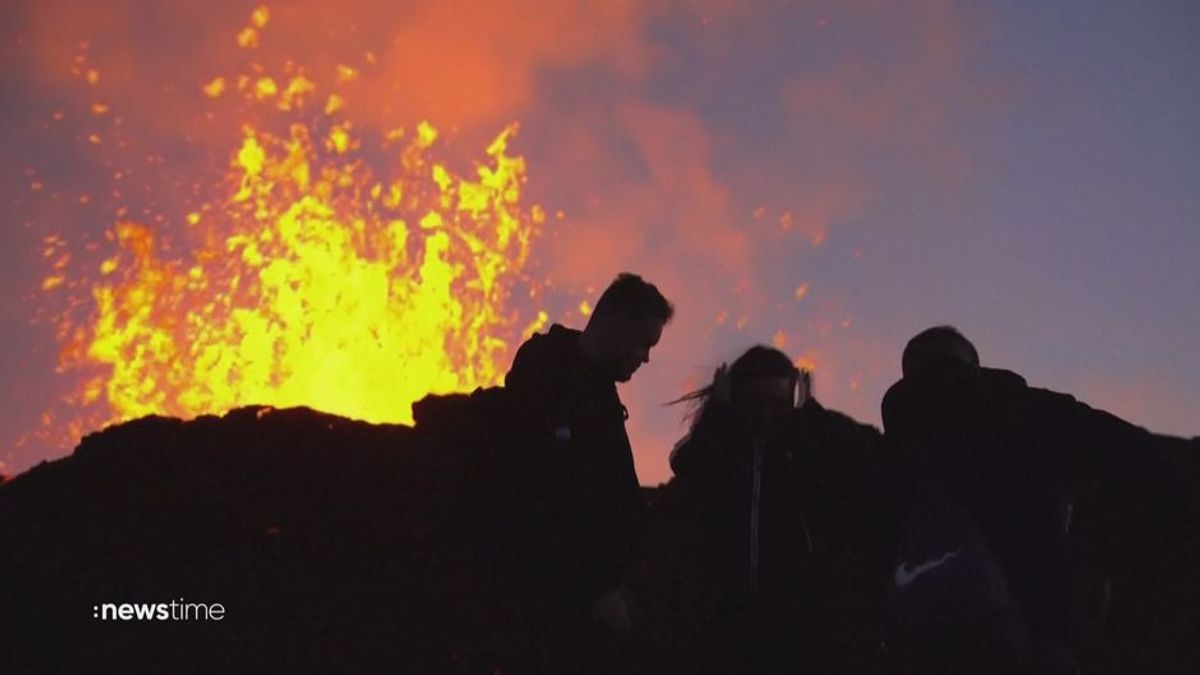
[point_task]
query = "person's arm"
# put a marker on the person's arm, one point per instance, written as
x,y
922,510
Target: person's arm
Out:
x,y
1114,469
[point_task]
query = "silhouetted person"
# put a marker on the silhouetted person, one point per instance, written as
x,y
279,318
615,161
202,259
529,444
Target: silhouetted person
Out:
x,y
581,512
781,571
997,480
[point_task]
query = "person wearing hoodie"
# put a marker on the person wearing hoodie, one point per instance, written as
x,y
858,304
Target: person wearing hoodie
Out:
x,y
578,532
1030,493
785,569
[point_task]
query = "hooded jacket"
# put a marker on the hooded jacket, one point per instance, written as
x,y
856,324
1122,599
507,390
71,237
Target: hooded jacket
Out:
x,y
584,510
1027,465
789,514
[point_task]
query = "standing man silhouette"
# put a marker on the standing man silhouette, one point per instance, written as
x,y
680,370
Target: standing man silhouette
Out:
x,y
582,510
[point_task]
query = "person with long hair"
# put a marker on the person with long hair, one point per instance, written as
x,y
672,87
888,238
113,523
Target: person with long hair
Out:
x,y
783,564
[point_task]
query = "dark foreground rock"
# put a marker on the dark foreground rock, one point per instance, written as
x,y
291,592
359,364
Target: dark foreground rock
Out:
x,y
332,546
314,532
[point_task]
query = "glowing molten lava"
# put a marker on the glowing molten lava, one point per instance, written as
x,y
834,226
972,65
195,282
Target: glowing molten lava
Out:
x,y
312,276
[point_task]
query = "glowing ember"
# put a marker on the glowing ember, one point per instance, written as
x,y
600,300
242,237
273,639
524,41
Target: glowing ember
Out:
x,y
309,277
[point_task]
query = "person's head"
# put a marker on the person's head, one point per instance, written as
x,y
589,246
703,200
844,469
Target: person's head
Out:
x,y
761,385
939,353
626,324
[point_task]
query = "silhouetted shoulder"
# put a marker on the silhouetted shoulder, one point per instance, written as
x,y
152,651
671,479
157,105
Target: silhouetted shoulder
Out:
x,y
1000,379
841,423
544,358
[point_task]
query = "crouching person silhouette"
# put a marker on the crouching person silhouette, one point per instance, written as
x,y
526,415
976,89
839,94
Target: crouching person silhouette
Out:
x,y
779,571
577,535
1010,495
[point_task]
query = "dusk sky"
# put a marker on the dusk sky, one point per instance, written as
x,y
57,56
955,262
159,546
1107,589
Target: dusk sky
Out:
x,y
830,177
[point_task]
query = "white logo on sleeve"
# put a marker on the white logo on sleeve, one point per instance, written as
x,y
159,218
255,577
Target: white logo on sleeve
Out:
x,y
905,576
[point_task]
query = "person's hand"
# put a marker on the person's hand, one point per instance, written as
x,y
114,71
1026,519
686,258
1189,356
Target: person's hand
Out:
x,y
723,384
612,611
803,387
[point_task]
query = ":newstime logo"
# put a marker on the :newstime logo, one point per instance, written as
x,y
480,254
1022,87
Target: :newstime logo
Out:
x,y
175,610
